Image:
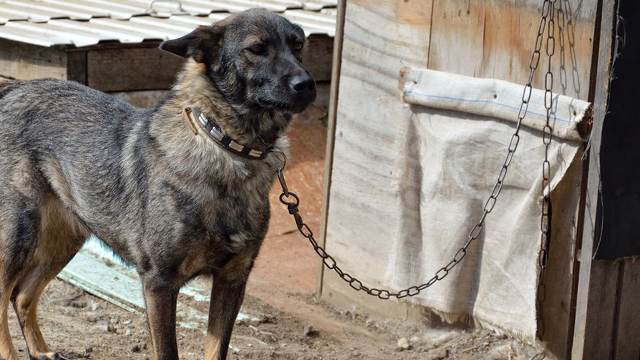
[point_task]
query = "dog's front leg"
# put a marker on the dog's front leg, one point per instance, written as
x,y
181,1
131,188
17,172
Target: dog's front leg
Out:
x,y
161,317
226,299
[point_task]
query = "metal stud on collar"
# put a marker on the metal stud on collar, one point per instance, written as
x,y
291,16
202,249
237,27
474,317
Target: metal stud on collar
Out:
x,y
215,133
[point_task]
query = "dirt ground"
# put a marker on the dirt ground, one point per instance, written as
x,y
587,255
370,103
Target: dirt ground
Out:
x,y
84,327
290,323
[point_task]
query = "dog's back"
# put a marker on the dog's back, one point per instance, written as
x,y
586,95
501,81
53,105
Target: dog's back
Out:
x,y
64,141
61,146
51,128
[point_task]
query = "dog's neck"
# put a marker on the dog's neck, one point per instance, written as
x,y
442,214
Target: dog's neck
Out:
x,y
254,127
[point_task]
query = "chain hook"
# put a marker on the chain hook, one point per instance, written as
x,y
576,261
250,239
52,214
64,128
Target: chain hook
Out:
x,y
280,173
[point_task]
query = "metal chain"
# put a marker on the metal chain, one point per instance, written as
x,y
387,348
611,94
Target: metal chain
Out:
x,y
547,133
292,201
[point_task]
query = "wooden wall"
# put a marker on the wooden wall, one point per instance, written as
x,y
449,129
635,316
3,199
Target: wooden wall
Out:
x,y
379,38
482,38
495,39
24,61
115,67
607,314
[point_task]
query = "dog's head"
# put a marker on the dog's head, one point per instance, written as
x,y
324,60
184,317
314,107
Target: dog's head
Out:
x,y
254,58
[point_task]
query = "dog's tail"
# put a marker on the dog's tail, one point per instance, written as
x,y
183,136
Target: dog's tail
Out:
x,y
8,85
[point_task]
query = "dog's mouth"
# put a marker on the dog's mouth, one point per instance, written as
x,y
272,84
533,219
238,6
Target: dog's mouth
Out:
x,y
273,104
290,107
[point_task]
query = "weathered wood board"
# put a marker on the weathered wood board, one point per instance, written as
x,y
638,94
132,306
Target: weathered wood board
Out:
x,y
495,39
482,38
114,67
24,61
379,39
99,272
144,67
317,57
607,312
336,62
131,68
627,331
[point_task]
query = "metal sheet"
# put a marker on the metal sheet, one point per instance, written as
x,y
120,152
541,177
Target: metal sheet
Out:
x,y
100,31
313,22
146,31
33,14
315,5
30,37
70,36
56,10
64,22
6,16
110,9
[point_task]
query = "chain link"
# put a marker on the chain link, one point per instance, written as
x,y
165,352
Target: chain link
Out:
x,y
292,201
553,8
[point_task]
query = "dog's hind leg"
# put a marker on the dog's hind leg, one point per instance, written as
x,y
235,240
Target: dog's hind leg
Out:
x,y
19,221
227,294
60,237
25,303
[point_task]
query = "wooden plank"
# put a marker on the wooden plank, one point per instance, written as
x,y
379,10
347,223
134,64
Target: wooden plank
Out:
x,y
77,66
627,340
495,39
595,277
578,241
471,37
145,67
317,57
88,273
601,316
380,38
331,133
557,319
101,274
27,62
130,69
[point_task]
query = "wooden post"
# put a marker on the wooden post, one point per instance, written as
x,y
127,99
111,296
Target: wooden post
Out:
x,y
77,66
606,311
331,129
589,276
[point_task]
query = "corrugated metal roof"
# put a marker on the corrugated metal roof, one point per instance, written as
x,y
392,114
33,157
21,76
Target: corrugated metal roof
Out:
x,y
89,22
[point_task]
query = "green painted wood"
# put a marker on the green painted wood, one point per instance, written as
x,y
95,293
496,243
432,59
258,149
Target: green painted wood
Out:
x,y
96,270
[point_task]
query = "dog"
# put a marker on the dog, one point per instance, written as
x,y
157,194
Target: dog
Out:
x,y
178,191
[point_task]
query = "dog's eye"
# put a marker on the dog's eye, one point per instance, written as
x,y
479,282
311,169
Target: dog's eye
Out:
x,y
298,45
258,49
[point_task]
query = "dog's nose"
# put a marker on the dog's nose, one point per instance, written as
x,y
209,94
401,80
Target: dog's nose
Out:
x,y
301,83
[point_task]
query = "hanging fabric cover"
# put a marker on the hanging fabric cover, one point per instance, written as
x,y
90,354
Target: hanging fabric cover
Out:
x,y
456,142
405,195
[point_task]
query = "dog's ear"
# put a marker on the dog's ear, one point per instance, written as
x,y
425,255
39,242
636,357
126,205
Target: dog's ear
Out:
x,y
202,44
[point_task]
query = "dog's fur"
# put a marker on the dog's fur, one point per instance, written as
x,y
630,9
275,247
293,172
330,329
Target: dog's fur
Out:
x,y
75,161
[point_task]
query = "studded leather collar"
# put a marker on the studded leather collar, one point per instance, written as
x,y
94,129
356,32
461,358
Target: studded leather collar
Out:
x,y
197,119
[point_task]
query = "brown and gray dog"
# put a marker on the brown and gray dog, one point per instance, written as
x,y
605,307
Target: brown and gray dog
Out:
x,y
171,202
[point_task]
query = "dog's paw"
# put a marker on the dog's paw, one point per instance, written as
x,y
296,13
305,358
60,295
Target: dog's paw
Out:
x,y
49,356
